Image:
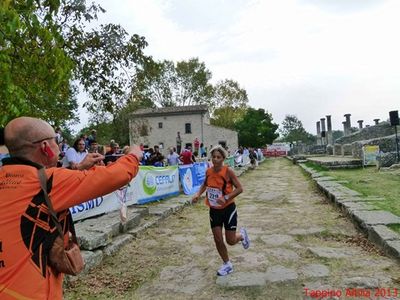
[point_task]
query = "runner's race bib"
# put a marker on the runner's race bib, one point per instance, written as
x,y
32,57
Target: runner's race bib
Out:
x,y
213,194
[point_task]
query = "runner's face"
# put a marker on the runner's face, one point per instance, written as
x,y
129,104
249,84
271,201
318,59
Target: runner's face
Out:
x,y
217,158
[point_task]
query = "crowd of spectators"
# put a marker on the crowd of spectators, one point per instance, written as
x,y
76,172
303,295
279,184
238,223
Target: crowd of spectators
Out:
x,y
71,156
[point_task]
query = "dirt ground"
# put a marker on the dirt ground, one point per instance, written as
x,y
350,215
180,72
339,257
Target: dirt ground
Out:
x,y
301,244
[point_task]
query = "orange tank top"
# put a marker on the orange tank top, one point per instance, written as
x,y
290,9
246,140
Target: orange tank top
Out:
x,y
217,184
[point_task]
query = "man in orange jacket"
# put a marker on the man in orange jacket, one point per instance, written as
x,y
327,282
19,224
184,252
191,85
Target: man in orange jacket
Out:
x,y
25,227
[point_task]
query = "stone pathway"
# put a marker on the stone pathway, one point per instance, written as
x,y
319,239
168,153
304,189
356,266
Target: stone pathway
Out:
x,y
301,246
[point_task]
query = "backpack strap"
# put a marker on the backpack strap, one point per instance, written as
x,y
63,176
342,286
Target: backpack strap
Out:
x,y
53,215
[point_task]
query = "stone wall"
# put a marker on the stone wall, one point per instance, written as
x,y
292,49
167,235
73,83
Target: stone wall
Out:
x,y
308,149
386,144
170,125
368,133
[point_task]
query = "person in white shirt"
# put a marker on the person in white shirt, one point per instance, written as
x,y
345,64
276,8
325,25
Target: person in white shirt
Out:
x,y
74,155
173,157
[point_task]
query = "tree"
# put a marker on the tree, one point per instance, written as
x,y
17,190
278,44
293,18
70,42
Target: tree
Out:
x,y
336,134
46,52
230,102
167,84
293,131
35,70
228,93
256,128
193,85
227,116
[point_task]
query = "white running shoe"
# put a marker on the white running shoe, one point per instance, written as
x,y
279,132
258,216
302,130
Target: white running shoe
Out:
x,y
246,240
225,269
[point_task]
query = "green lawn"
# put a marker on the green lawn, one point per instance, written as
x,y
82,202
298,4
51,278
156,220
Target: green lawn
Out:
x,y
370,182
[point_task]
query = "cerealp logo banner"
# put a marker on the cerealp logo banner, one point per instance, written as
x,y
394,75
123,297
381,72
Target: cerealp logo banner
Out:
x,y
150,184
153,183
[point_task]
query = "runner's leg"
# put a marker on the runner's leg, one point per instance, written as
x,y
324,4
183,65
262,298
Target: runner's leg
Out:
x,y
219,243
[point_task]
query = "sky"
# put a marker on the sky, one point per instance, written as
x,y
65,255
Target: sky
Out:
x,y
308,58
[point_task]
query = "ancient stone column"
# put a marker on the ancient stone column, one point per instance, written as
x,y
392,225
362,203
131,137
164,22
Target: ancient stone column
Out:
x,y
348,124
344,128
376,121
323,132
360,124
318,133
329,135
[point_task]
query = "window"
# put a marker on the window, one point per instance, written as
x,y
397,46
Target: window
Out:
x,y
222,143
160,125
188,128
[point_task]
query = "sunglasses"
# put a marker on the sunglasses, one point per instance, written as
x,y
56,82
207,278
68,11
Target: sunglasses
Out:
x,y
45,139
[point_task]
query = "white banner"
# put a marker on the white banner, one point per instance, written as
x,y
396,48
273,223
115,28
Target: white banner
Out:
x,y
150,184
153,183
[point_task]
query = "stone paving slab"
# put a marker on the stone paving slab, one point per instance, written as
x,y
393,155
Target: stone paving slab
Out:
x,y
307,231
393,248
280,274
161,211
327,252
376,217
380,234
242,279
314,270
117,243
350,206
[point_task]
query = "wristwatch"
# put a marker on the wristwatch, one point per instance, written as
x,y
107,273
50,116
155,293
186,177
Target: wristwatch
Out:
x,y
226,197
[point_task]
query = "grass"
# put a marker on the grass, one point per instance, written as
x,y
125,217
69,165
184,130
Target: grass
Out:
x,y
316,167
369,182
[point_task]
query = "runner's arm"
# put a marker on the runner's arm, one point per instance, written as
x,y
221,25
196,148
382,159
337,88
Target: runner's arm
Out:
x,y
236,183
198,194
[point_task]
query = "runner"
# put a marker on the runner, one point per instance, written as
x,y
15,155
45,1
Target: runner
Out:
x,y
219,184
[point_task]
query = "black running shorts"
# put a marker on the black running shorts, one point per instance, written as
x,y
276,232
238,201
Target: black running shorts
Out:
x,y
226,216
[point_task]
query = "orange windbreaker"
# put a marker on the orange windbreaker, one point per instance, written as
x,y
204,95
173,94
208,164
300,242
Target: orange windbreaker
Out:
x,y
24,221
219,180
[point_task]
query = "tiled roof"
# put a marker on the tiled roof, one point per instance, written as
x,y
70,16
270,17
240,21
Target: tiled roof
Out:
x,y
174,110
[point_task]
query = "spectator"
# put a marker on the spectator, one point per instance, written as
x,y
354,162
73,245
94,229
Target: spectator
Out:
x,y
186,156
196,144
157,159
94,147
173,157
112,155
59,137
63,147
26,229
203,151
84,137
74,155
147,155
92,137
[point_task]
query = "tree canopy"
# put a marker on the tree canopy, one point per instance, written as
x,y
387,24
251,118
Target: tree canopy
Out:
x,y
168,84
256,128
46,53
292,130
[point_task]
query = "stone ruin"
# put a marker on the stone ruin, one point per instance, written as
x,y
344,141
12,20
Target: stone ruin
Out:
x,y
351,144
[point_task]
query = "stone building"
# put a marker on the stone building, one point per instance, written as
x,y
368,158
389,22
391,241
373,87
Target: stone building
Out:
x,y
159,126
